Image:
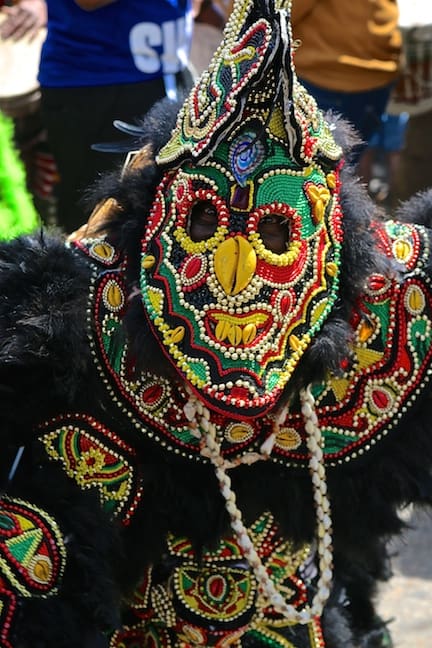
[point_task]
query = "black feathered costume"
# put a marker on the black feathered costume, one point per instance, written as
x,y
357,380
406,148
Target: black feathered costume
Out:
x,y
215,397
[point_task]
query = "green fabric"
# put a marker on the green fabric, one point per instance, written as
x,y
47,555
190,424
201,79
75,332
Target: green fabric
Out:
x,y
17,212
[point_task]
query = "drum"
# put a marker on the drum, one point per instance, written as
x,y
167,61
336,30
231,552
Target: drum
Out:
x,y
19,64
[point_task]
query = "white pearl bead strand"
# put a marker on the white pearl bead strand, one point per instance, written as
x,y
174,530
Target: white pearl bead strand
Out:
x,y
210,448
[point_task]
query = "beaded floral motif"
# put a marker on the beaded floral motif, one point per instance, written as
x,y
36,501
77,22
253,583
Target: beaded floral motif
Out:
x,y
95,458
216,602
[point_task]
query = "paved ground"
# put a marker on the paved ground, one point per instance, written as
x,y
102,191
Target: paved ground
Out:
x,y
408,597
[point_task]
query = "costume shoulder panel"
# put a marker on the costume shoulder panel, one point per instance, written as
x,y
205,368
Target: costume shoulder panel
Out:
x,y
388,367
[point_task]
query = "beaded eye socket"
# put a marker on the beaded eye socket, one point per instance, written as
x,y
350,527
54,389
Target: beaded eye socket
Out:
x,y
202,221
274,230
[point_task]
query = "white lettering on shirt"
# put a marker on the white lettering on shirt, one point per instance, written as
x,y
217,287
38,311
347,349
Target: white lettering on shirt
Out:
x,y
160,48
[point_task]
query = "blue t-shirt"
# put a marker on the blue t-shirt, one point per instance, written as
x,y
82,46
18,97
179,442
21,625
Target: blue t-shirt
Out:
x,y
124,42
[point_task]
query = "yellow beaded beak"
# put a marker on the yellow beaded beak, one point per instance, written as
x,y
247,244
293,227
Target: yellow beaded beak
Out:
x,y
235,264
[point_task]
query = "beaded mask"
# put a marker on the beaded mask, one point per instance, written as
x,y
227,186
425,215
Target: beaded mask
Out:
x,y
240,257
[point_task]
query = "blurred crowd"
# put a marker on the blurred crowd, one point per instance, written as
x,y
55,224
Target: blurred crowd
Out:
x,y
70,68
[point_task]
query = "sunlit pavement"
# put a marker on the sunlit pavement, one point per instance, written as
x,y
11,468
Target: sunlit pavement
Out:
x,y
407,598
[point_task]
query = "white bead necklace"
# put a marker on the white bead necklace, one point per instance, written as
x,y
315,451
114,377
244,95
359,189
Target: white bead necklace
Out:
x,y
199,416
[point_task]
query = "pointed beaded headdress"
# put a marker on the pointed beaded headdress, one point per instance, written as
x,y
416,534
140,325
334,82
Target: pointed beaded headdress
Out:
x,y
234,307
251,75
